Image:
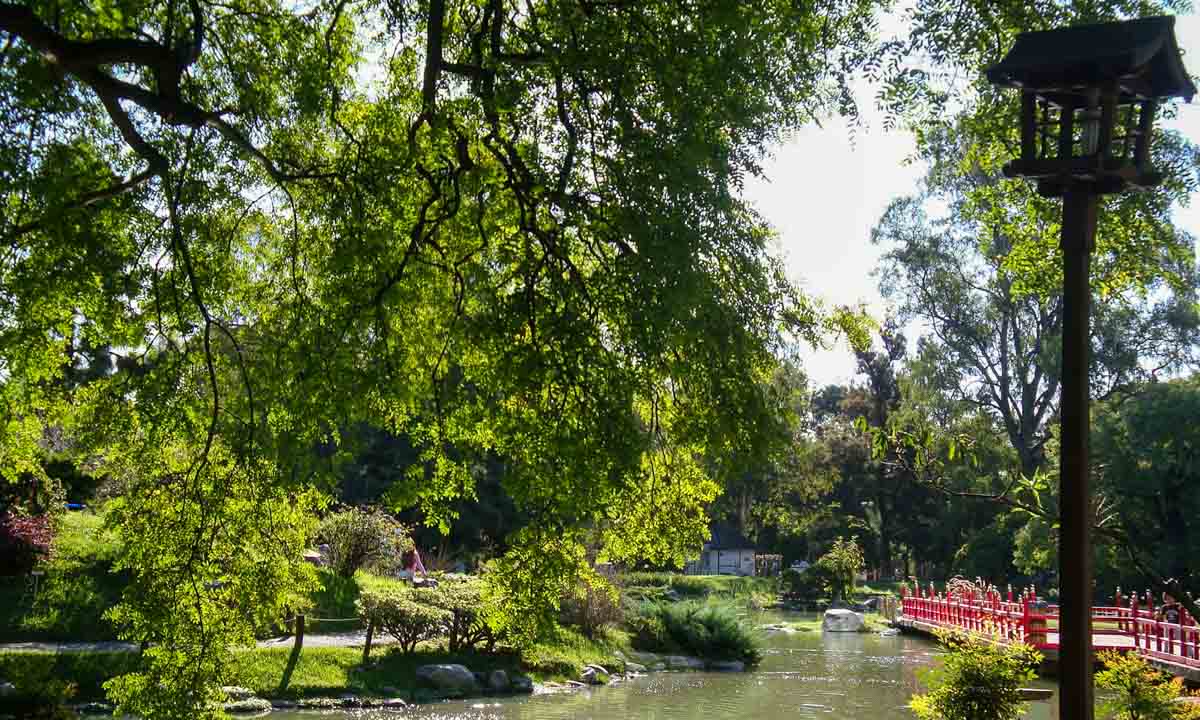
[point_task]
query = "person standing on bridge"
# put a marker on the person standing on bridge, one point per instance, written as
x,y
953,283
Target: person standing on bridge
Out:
x,y
1171,611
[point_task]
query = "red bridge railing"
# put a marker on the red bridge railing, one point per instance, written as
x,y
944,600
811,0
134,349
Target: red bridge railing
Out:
x,y
1131,624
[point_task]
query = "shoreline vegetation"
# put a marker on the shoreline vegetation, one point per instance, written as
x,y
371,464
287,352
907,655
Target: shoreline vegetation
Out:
x,y
655,621
652,621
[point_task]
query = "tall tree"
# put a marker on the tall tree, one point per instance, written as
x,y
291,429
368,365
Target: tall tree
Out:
x,y
460,221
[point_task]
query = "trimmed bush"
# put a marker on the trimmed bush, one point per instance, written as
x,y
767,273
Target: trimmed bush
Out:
x,y
462,598
712,631
397,613
809,584
363,539
24,540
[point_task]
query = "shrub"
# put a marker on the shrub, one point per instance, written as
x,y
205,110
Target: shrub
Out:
x,y
712,631
400,615
462,599
976,680
24,540
361,539
842,564
807,585
592,605
1139,692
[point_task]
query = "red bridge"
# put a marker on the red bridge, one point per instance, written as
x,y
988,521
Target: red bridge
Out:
x,y
1130,625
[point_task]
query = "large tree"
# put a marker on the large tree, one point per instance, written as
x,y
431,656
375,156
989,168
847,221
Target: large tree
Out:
x,y
490,227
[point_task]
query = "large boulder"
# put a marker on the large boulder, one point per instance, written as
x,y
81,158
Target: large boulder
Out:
x,y
594,675
497,681
684,662
841,620
521,684
453,680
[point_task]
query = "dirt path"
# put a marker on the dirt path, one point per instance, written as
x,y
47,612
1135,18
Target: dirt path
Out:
x,y
354,638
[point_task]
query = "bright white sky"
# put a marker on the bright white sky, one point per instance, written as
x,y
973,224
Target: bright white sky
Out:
x,y
825,225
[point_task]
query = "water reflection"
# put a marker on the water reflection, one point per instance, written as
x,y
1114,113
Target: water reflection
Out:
x,y
803,675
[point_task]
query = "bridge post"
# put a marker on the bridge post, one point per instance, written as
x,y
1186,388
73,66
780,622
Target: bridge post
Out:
x,y
1137,637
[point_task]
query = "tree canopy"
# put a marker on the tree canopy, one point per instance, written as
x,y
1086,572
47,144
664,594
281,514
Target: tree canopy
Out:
x,y
233,233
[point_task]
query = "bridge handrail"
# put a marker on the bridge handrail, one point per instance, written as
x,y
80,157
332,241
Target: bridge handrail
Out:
x,y
1026,618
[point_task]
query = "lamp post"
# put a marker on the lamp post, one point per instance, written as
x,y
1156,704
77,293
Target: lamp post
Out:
x,y
1088,98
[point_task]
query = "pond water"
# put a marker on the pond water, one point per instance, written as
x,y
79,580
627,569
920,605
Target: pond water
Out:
x,y
803,675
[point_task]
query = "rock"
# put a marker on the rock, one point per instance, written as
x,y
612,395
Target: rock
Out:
x,y
393,703
235,693
839,620
632,667
284,704
683,662
7,689
454,680
94,708
497,681
521,684
593,675
391,691
576,684
727,666
1035,693
872,604
600,669
248,705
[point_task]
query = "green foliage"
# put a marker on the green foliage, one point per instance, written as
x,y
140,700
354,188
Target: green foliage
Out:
x,y
594,605
1146,445
1139,692
708,630
841,565
563,652
48,679
810,584
204,577
976,680
363,539
463,598
77,587
404,616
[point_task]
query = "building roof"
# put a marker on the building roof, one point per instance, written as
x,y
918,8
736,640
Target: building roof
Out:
x,y
727,537
1142,55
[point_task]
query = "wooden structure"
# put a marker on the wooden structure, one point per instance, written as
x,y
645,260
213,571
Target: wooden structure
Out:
x,y
1131,624
1088,99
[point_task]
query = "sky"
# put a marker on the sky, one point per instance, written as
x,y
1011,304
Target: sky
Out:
x,y
823,192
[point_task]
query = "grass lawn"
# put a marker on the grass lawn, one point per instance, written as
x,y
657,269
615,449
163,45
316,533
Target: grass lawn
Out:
x,y
317,672
78,585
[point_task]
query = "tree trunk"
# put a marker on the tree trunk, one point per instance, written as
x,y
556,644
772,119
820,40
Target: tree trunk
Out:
x,y
367,645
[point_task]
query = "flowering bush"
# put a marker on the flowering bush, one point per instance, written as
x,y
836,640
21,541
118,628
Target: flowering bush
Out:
x,y
24,539
360,538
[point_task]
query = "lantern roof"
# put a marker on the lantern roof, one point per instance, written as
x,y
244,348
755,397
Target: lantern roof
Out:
x,y
1141,56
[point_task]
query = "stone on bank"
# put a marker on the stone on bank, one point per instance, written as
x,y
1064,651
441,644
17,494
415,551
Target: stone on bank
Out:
x,y
841,620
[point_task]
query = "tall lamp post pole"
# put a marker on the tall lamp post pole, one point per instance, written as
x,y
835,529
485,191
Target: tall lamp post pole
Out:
x,y
1088,98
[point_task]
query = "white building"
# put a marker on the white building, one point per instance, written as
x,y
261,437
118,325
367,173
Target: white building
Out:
x,y
728,552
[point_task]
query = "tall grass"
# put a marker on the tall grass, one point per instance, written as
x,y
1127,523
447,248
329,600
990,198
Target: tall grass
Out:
x,y
708,630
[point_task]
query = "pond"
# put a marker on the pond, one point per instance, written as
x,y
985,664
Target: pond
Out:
x,y
803,675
